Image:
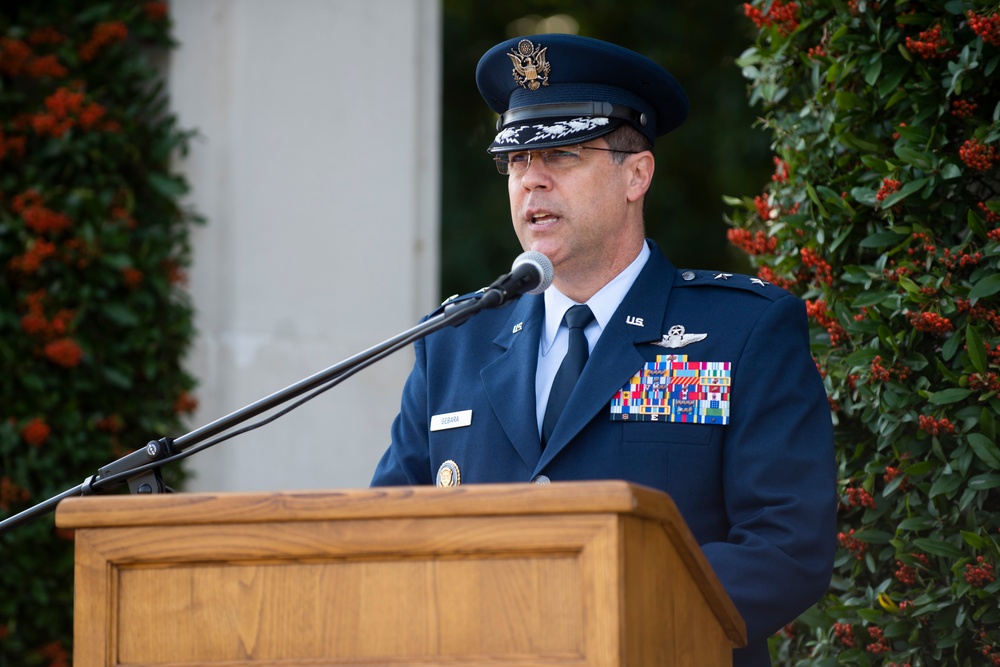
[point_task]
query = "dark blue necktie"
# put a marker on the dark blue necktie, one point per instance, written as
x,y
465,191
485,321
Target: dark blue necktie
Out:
x,y
577,318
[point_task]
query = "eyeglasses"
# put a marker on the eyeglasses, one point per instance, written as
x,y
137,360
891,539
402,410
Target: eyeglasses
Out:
x,y
560,159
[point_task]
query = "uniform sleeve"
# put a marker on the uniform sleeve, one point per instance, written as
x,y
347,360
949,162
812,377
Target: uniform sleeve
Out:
x,y
407,460
779,475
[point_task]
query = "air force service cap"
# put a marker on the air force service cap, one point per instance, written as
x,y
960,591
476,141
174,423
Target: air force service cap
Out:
x,y
559,90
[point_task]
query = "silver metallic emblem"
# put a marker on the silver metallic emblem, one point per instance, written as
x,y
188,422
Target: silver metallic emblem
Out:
x,y
675,337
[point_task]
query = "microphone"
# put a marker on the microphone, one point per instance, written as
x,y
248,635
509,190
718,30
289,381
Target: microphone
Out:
x,y
531,273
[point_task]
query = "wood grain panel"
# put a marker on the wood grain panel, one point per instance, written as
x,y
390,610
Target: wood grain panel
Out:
x,y
586,574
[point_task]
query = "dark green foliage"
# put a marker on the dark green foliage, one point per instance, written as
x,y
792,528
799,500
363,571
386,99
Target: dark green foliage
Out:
x,y
93,243
882,214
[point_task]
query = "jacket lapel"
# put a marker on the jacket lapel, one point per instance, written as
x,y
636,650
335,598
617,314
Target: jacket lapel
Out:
x,y
615,358
510,379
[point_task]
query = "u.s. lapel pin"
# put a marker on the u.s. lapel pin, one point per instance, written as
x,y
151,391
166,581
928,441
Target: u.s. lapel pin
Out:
x,y
676,337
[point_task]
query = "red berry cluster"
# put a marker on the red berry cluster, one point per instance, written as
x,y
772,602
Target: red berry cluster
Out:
x,y
752,243
990,215
963,108
17,58
930,322
36,432
103,35
927,246
979,312
879,643
984,383
978,155
780,170
979,575
987,648
11,493
820,267
929,44
844,633
185,403
894,273
960,260
764,208
987,27
56,653
889,186
906,574
860,498
66,109
818,51
37,251
852,544
879,373
767,274
892,473
817,310
782,16
932,426
65,352
852,5
37,217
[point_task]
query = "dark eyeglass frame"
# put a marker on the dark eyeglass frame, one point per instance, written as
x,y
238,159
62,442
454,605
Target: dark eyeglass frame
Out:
x,y
503,162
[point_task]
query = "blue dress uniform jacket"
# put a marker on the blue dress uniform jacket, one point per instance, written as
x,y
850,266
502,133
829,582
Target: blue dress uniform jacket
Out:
x,y
759,493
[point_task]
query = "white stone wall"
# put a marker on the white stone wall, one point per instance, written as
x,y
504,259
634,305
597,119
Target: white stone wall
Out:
x,y
317,168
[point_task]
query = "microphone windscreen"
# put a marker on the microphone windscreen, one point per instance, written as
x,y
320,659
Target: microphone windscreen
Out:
x,y
542,263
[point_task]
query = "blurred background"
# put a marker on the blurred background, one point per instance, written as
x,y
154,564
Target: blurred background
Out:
x,y
341,167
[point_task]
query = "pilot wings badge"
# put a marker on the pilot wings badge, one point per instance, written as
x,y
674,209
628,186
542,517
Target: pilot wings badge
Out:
x,y
531,70
675,337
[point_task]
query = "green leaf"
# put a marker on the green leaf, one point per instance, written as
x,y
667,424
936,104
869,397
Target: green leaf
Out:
x,y
120,314
945,485
948,396
950,170
985,481
973,540
937,547
872,71
815,198
847,100
976,225
881,240
168,186
987,422
914,157
948,351
890,80
977,351
904,192
988,286
870,298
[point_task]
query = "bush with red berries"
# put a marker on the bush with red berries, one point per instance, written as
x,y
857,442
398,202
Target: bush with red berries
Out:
x,y
93,316
883,216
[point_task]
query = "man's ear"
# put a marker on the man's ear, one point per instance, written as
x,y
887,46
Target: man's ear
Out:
x,y
640,173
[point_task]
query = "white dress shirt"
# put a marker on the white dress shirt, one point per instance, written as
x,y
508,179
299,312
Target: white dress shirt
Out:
x,y
555,335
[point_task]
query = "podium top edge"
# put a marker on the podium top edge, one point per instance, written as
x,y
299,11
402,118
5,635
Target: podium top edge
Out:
x,y
608,496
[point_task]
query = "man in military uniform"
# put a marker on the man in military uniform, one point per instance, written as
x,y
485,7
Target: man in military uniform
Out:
x,y
697,383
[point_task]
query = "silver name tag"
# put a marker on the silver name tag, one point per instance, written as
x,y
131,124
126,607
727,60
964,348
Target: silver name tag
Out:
x,y
451,420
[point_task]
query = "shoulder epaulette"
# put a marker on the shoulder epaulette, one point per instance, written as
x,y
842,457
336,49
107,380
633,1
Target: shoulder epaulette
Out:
x,y
753,284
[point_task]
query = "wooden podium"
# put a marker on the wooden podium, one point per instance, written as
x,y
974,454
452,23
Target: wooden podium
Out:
x,y
574,573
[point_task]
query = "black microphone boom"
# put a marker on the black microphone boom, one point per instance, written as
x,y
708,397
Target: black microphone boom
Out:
x,y
531,273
